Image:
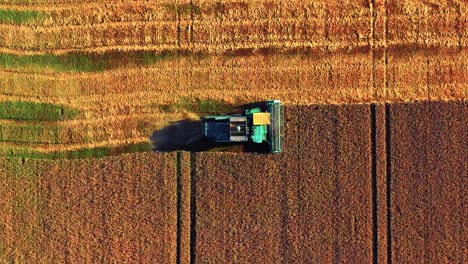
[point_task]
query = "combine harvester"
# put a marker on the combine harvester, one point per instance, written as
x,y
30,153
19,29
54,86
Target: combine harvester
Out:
x,y
260,125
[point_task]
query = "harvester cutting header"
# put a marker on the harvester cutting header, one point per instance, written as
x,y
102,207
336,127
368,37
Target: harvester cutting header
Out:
x,y
258,125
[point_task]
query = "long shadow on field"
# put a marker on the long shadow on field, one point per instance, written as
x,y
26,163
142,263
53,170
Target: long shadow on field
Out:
x,y
188,135
181,135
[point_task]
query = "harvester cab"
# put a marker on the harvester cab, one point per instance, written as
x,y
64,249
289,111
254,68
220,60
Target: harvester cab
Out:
x,y
258,125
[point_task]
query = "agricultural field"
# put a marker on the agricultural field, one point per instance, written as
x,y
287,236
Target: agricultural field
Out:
x,y
115,209
374,96
427,194
317,209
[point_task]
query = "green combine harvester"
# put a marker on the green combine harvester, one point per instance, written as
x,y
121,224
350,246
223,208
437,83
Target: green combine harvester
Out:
x,y
258,125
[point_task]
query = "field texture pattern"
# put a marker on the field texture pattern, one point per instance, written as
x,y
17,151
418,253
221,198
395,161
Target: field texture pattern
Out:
x,y
112,210
375,131
119,66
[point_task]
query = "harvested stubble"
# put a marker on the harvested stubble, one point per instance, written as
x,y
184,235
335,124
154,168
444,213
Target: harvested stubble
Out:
x,y
266,209
116,209
18,110
13,16
214,26
423,24
316,78
75,151
428,178
83,131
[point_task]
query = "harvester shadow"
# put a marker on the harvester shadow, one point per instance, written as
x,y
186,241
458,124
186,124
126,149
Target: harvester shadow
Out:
x,y
187,135
181,135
